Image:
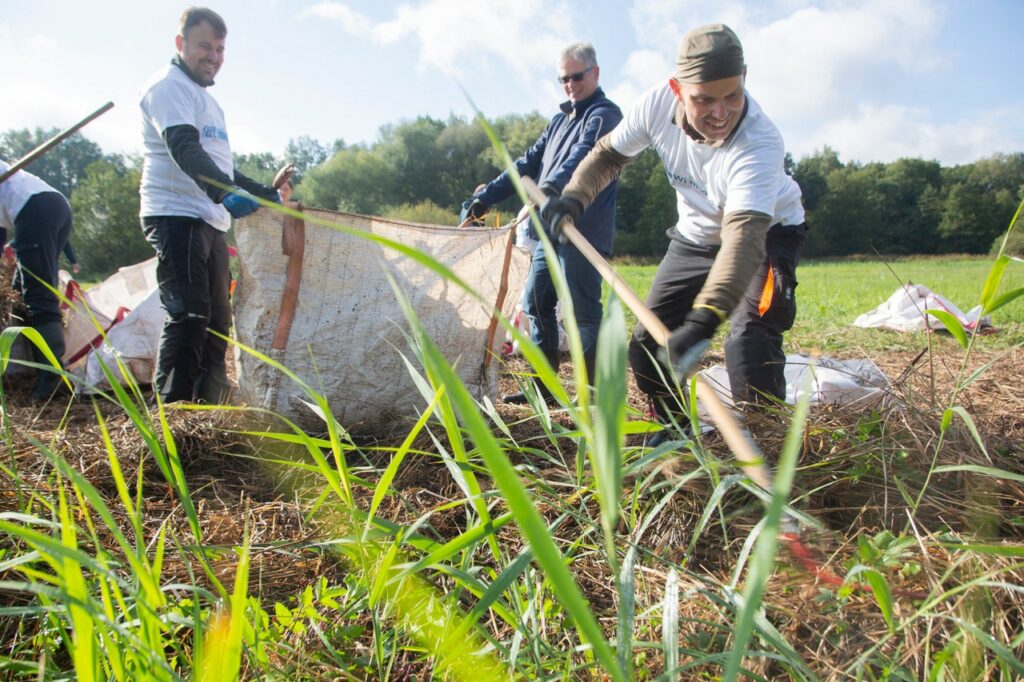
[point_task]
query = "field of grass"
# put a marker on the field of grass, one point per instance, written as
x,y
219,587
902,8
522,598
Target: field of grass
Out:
x,y
483,542
831,294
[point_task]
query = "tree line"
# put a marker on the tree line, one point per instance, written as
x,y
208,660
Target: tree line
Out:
x,y
421,170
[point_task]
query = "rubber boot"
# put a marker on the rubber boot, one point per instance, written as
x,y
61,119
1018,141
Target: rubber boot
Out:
x,y
48,380
674,423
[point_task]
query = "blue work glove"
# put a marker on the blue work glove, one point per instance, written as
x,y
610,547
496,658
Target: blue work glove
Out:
x,y
689,341
473,210
239,203
555,210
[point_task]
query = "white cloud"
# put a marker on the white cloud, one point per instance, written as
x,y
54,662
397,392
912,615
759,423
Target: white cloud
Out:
x,y
352,21
453,34
643,68
888,132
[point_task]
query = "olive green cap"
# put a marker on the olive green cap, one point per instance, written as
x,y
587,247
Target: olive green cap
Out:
x,y
709,53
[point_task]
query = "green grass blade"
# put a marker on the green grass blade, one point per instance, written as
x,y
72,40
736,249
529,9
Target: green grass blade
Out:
x,y
951,324
670,625
995,276
610,404
880,590
1003,299
977,469
947,418
518,499
764,554
627,613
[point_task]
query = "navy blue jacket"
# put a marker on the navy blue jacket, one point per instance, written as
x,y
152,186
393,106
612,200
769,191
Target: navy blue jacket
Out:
x,y
555,155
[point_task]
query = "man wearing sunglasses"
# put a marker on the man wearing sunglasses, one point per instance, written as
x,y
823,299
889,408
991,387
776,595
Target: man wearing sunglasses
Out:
x,y
733,253
584,118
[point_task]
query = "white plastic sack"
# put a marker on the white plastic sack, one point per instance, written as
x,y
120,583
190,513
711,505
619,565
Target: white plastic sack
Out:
x,y
904,312
135,341
104,304
832,382
348,337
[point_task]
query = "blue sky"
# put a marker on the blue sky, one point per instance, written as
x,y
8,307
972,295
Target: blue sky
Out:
x,y
874,79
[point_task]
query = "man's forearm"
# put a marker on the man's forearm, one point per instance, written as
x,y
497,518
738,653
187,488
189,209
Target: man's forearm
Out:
x,y
597,170
743,250
255,188
183,144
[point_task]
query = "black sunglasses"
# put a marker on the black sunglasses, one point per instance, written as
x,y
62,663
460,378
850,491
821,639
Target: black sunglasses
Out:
x,y
574,77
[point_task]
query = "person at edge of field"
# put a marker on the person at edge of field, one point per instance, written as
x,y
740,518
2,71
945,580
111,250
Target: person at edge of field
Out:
x,y
40,217
190,191
734,251
585,118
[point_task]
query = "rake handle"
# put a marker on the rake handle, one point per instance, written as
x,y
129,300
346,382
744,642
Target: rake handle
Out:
x,y
55,140
647,318
737,438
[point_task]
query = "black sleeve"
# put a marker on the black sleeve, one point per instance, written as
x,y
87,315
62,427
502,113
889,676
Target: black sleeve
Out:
x,y
70,252
256,188
183,144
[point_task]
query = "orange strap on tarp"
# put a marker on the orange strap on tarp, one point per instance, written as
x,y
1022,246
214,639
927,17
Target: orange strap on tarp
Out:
x,y
293,245
767,292
500,300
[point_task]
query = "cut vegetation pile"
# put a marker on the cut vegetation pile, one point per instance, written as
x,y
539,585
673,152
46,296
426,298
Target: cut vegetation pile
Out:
x,y
142,541
858,477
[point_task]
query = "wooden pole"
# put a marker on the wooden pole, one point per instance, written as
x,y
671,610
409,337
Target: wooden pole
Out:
x,y
53,141
739,441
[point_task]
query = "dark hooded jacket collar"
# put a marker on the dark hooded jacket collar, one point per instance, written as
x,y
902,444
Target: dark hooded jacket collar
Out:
x,y
571,110
176,60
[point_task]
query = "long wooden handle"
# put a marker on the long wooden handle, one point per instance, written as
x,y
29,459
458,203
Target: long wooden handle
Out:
x,y
737,438
648,319
56,139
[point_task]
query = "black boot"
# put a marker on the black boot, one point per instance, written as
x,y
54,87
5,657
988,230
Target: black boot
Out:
x,y
48,380
675,424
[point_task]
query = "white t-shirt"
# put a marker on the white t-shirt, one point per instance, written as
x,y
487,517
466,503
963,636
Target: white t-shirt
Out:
x,y
171,98
745,174
15,192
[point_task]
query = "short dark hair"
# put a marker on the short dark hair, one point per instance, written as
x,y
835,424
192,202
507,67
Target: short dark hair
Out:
x,y
193,16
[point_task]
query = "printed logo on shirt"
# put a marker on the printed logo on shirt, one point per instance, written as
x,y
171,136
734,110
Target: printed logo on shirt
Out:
x,y
688,181
212,131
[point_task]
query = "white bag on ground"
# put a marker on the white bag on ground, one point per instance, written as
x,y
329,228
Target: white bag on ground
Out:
x,y
904,312
348,336
832,382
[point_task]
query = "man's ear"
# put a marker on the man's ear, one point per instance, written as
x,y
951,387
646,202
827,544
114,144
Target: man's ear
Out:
x,y
674,84
179,41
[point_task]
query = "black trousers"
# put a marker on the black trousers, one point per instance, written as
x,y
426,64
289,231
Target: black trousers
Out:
x,y
41,230
193,277
753,349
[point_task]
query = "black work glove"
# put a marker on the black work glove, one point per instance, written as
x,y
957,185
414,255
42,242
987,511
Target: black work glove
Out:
x,y
555,210
689,341
472,209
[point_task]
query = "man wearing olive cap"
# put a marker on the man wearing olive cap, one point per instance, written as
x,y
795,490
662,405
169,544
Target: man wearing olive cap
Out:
x,y
733,253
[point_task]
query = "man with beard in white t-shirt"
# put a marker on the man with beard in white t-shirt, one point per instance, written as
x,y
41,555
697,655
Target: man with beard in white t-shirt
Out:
x,y
190,191
733,253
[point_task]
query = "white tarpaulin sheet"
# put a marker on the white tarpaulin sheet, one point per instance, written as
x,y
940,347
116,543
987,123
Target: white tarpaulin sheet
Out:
x,y
834,382
106,305
904,311
348,336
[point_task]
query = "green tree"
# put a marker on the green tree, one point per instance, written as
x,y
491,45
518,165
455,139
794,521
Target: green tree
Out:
x,y
106,211
307,153
261,166
644,207
812,173
425,211
906,223
848,214
62,166
355,179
